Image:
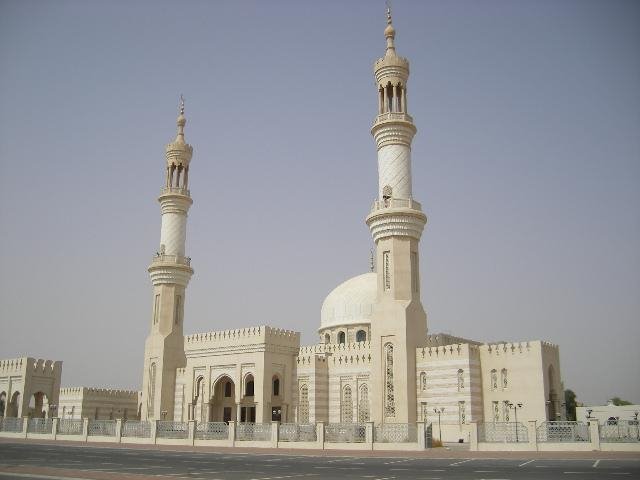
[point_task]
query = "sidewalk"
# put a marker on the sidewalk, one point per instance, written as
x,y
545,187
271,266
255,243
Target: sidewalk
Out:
x,y
435,453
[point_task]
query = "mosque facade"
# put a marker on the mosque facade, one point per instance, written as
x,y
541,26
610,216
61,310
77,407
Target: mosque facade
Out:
x,y
374,361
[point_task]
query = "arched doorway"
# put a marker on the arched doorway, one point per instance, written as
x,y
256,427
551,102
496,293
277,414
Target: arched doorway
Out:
x,y
3,403
222,407
38,405
14,405
248,406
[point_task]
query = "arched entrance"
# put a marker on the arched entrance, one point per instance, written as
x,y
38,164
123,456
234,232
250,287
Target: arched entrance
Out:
x,y
14,405
222,407
38,405
3,403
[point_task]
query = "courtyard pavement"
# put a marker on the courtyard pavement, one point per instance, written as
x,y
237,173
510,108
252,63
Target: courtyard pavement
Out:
x,y
28,459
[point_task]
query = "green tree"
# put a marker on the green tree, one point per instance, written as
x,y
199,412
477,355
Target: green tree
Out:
x,y
618,402
570,401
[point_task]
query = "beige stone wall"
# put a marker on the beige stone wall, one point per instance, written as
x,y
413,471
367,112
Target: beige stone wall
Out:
x,y
98,403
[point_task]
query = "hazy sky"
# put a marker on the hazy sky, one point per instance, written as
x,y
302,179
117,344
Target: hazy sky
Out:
x,y
526,161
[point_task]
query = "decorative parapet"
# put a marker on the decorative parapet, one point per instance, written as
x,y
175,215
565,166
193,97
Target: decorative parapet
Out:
x,y
395,203
459,350
41,367
175,191
12,365
396,218
443,339
171,259
260,334
341,353
97,392
498,349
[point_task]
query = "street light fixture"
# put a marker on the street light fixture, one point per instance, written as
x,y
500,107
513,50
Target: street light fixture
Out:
x,y
439,411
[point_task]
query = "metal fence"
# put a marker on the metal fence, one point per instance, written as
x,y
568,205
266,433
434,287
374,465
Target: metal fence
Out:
x,y
562,432
40,425
169,429
253,431
502,432
212,431
395,433
345,432
105,428
70,426
11,424
622,431
297,432
136,428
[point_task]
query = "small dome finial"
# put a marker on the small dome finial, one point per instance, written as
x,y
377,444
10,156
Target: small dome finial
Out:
x,y
390,32
181,105
182,121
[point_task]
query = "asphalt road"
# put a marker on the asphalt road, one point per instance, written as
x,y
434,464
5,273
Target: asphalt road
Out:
x,y
58,462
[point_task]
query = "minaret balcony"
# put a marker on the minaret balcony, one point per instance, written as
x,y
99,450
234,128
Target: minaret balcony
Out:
x,y
393,117
175,191
395,203
171,259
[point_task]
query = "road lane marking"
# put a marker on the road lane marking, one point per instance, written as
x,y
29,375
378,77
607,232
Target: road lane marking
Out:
x,y
595,465
527,463
461,462
33,475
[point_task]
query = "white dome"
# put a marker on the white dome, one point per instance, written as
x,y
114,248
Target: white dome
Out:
x,y
351,302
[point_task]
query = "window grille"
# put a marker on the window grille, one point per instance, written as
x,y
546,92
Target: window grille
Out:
x,y
363,405
423,381
460,380
303,405
386,262
505,381
494,379
389,398
347,405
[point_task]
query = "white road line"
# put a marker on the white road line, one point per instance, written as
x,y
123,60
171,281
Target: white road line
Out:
x,y
47,477
527,463
463,461
595,465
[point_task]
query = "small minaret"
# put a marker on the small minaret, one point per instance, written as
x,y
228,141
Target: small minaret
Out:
x,y
396,221
170,272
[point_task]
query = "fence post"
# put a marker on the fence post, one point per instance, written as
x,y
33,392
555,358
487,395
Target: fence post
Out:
x,y
54,428
85,429
368,438
25,426
232,433
118,430
192,432
473,436
594,434
274,434
532,426
154,431
421,432
320,435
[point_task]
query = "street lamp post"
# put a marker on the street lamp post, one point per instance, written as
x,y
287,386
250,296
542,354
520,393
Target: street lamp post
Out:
x,y
439,411
515,407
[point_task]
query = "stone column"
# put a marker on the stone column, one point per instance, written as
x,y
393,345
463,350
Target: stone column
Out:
x,y
533,435
25,426
154,431
473,437
320,435
192,432
421,433
232,433
54,428
369,434
118,430
594,433
274,434
85,428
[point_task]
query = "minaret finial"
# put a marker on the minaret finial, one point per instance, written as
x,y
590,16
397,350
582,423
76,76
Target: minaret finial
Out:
x,y
181,105
181,121
390,32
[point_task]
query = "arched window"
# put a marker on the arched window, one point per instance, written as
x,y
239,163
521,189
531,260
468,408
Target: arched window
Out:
x,y
361,336
303,405
327,338
152,389
276,386
227,389
347,405
494,379
248,388
460,379
342,337
505,381
423,381
389,397
363,404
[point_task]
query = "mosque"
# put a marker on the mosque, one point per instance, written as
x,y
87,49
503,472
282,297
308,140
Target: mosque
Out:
x,y
374,360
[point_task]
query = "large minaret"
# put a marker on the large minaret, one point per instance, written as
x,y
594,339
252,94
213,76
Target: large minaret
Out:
x,y
396,221
170,272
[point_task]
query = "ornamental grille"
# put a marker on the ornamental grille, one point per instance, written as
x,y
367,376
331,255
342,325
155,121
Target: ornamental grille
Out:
x,y
345,433
389,398
620,432
563,432
40,425
169,429
136,428
295,432
395,433
253,431
363,404
70,426
502,432
11,424
303,406
105,428
212,431
347,405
